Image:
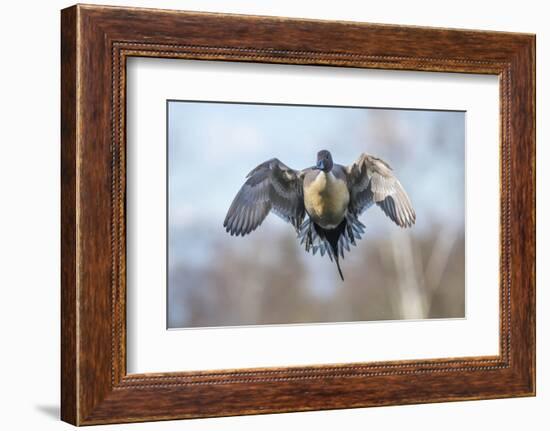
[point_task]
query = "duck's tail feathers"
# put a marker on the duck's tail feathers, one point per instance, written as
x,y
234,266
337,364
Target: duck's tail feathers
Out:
x,y
332,237
331,241
338,266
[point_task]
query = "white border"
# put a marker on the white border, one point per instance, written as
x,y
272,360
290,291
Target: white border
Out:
x,y
153,348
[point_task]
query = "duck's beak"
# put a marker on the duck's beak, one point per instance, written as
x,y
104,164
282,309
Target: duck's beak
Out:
x,y
321,164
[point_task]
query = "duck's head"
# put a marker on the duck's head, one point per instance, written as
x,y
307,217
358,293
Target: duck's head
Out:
x,y
324,161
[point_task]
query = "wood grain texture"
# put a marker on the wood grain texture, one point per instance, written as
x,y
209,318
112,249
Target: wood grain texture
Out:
x,y
68,218
96,41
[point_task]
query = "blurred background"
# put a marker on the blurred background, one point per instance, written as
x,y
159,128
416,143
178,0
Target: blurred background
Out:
x,y
266,277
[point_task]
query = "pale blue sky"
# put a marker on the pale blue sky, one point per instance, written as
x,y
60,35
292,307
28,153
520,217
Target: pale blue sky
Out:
x,y
212,146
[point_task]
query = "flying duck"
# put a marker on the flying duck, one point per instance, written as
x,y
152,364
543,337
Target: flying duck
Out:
x,y
332,197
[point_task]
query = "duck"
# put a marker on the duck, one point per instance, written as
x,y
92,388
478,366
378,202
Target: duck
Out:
x,y
323,202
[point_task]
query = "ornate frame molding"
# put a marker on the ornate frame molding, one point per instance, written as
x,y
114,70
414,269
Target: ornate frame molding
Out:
x,y
96,41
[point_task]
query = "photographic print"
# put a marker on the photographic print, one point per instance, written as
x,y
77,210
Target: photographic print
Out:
x,y
288,214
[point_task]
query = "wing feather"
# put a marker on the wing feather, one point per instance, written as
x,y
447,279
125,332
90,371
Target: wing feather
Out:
x,y
371,181
271,186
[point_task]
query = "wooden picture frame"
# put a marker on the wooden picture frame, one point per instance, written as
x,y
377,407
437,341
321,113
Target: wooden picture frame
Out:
x,y
95,43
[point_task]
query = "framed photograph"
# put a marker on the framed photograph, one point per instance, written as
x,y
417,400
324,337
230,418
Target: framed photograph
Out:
x,y
265,214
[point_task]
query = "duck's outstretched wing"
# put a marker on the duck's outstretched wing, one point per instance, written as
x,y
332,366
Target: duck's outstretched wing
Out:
x,y
271,186
371,181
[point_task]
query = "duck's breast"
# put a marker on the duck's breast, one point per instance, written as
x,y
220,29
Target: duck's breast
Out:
x,y
326,198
